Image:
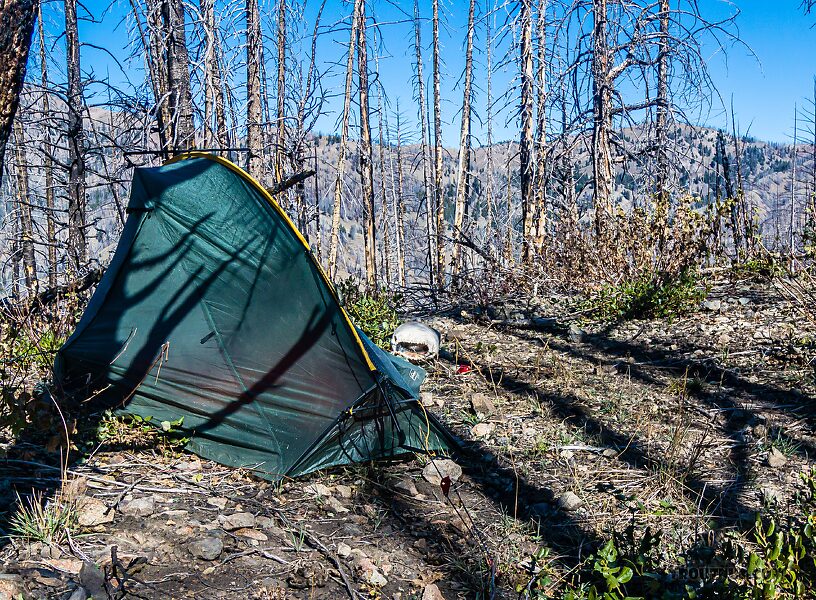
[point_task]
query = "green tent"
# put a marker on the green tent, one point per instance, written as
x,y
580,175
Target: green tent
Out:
x,y
214,309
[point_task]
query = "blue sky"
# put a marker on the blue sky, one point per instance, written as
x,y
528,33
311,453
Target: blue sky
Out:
x,y
766,78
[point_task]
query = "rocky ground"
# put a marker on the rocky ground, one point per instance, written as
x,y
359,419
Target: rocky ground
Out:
x,y
571,431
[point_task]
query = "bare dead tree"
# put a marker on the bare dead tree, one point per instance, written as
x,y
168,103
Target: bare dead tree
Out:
x,y
16,28
75,134
439,205
254,60
341,161
178,75
526,148
280,129
47,162
366,156
463,172
29,261
430,211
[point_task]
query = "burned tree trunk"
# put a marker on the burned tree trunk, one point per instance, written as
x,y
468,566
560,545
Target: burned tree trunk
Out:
x,y
16,28
463,179
662,121
601,115
437,112
253,73
178,76
526,142
48,166
77,245
540,180
29,261
426,176
280,129
341,161
366,166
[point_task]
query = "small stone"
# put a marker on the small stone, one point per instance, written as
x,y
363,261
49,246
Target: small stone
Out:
x,y
252,534
576,334
344,491
138,507
776,459
240,520
92,512
482,405
759,431
431,592
317,489
712,305
771,495
219,503
482,430
208,548
610,453
11,587
405,485
80,593
343,550
569,502
439,468
427,398
332,504
744,301
93,580
264,522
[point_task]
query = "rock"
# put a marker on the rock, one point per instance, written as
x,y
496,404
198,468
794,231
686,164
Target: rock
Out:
x,y
192,465
317,489
428,399
11,587
92,512
343,550
431,592
208,548
458,334
93,580
264,522
712,305
240,520
482,405
138,507
368,571
344,491
771,495
252,534
610,453
776,459
439,468
744,301
80,593
405,485
576,334
219,503
481,430
332,504
569,502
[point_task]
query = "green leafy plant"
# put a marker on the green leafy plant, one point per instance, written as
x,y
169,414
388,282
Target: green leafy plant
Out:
x,y
651,295
136,431
373,311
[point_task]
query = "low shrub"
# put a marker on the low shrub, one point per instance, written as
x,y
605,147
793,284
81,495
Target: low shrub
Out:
x,y
650,296
373,311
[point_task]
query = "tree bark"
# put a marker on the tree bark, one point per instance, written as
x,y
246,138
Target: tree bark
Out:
x,y
662,121
437,117
16,28
526,149
601,116
366,160
426,176
463,175
178,76
48,164
254,57
280,129
540,184
29,260
399,207
341,161
77,244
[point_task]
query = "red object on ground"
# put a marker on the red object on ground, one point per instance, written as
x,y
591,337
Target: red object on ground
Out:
x,y
462,369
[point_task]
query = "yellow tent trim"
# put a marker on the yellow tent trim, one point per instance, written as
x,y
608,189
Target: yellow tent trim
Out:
x,y
265,193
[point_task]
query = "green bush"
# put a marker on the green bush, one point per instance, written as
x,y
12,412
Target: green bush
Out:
x,y
373,311
650,296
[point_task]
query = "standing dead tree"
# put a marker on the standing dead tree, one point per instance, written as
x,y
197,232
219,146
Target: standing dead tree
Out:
x,y
254,119
75,134
439,205
16,29
341,161
366,152
430,211
463,172
526,149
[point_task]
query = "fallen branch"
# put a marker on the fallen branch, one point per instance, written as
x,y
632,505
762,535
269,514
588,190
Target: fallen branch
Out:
x,y
291,181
